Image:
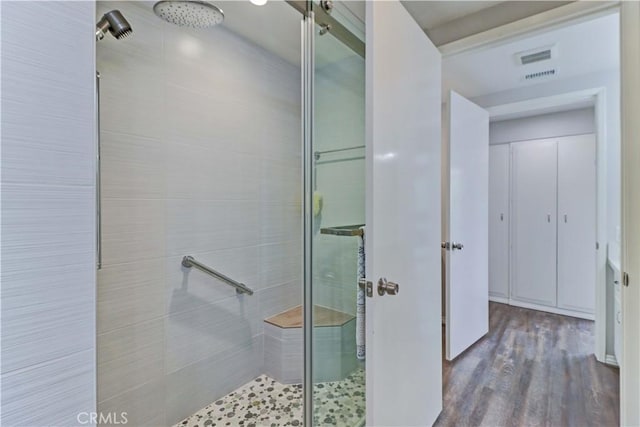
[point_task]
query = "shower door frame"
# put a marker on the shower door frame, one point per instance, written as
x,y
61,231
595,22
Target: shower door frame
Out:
x,y
308,75
307,40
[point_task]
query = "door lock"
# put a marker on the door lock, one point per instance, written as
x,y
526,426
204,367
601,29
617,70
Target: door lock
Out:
x,y
385,287
458,246
366,286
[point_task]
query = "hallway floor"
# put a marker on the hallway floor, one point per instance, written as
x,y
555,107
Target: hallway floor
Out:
x,y
264,402
532,368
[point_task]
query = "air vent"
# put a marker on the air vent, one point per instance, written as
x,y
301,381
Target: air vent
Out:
x,y
541,74
536,57
539,54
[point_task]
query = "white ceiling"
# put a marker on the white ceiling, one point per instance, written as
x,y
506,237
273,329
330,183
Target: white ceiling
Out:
x,y
582,48
431,14
427,13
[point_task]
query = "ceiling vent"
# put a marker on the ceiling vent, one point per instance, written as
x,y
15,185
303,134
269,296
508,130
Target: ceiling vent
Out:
x,y
533,56
541,75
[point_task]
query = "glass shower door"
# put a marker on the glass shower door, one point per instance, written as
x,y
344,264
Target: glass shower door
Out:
x,y
338,216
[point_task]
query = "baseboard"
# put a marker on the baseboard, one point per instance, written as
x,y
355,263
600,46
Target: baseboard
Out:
x,y
610,359
501,300
553,310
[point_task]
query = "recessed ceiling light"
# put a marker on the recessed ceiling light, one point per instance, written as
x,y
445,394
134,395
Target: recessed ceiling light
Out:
x,y
259,2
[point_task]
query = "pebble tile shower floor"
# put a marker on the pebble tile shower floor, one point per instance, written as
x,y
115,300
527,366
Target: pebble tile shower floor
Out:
x,y
265,402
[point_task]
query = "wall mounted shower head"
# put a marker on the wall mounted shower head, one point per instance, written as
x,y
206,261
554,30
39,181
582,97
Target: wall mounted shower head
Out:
x,y
115,23
189,13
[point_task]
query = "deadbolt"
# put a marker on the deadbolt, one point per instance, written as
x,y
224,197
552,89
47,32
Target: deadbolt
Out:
x,y
385,287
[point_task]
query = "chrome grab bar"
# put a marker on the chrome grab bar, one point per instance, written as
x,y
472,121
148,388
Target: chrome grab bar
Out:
x,y
188,261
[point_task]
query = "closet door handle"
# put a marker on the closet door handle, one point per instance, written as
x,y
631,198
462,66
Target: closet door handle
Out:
x,y
548,217
565,218
501,217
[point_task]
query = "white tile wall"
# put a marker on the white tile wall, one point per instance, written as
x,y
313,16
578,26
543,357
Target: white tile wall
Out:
x,y
340,178
201,156
48,213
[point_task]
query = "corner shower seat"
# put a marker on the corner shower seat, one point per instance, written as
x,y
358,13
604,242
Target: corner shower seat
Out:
x,y
334,344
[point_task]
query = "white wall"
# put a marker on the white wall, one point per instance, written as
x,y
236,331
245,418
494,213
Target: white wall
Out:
x,y
565,123
48,213
201,155
610,82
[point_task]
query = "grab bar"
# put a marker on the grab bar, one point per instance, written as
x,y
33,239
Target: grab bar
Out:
x,y
188,261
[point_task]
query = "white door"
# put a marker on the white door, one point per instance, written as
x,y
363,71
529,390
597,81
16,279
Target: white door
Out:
x,y
403,125
630,369
533,222
466,228
577,223
499,180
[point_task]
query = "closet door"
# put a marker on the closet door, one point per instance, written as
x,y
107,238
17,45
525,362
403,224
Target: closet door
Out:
x,y
534,173
499,221
577,223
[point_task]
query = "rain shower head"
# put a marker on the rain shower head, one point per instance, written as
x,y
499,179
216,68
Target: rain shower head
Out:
x,y
189,13
115,23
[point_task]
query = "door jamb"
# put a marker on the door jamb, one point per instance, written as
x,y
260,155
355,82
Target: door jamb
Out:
x,y
630,197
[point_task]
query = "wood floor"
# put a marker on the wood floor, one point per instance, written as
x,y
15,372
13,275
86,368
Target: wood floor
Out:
x,y
531,369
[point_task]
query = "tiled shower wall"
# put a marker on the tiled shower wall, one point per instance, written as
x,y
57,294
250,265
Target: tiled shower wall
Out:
x,y
200,156
340,176
48,213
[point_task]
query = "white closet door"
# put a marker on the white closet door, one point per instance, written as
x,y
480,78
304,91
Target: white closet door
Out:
x,y
577,223
499,221
534,172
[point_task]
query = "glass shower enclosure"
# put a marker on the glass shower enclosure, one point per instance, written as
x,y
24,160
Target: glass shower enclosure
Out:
x,y
338,215
232,214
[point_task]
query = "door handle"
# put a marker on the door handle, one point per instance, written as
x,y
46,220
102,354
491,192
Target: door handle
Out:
x,y
385,287
548,217
458,246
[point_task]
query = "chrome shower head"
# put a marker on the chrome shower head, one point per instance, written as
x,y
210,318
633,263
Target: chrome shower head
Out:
x,y
115,23
189,13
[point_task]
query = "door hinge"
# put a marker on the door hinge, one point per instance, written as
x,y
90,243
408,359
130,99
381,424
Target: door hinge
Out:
x,y
625,279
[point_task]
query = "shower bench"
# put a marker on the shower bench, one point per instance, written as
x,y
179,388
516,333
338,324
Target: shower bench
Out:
x,y
334,345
